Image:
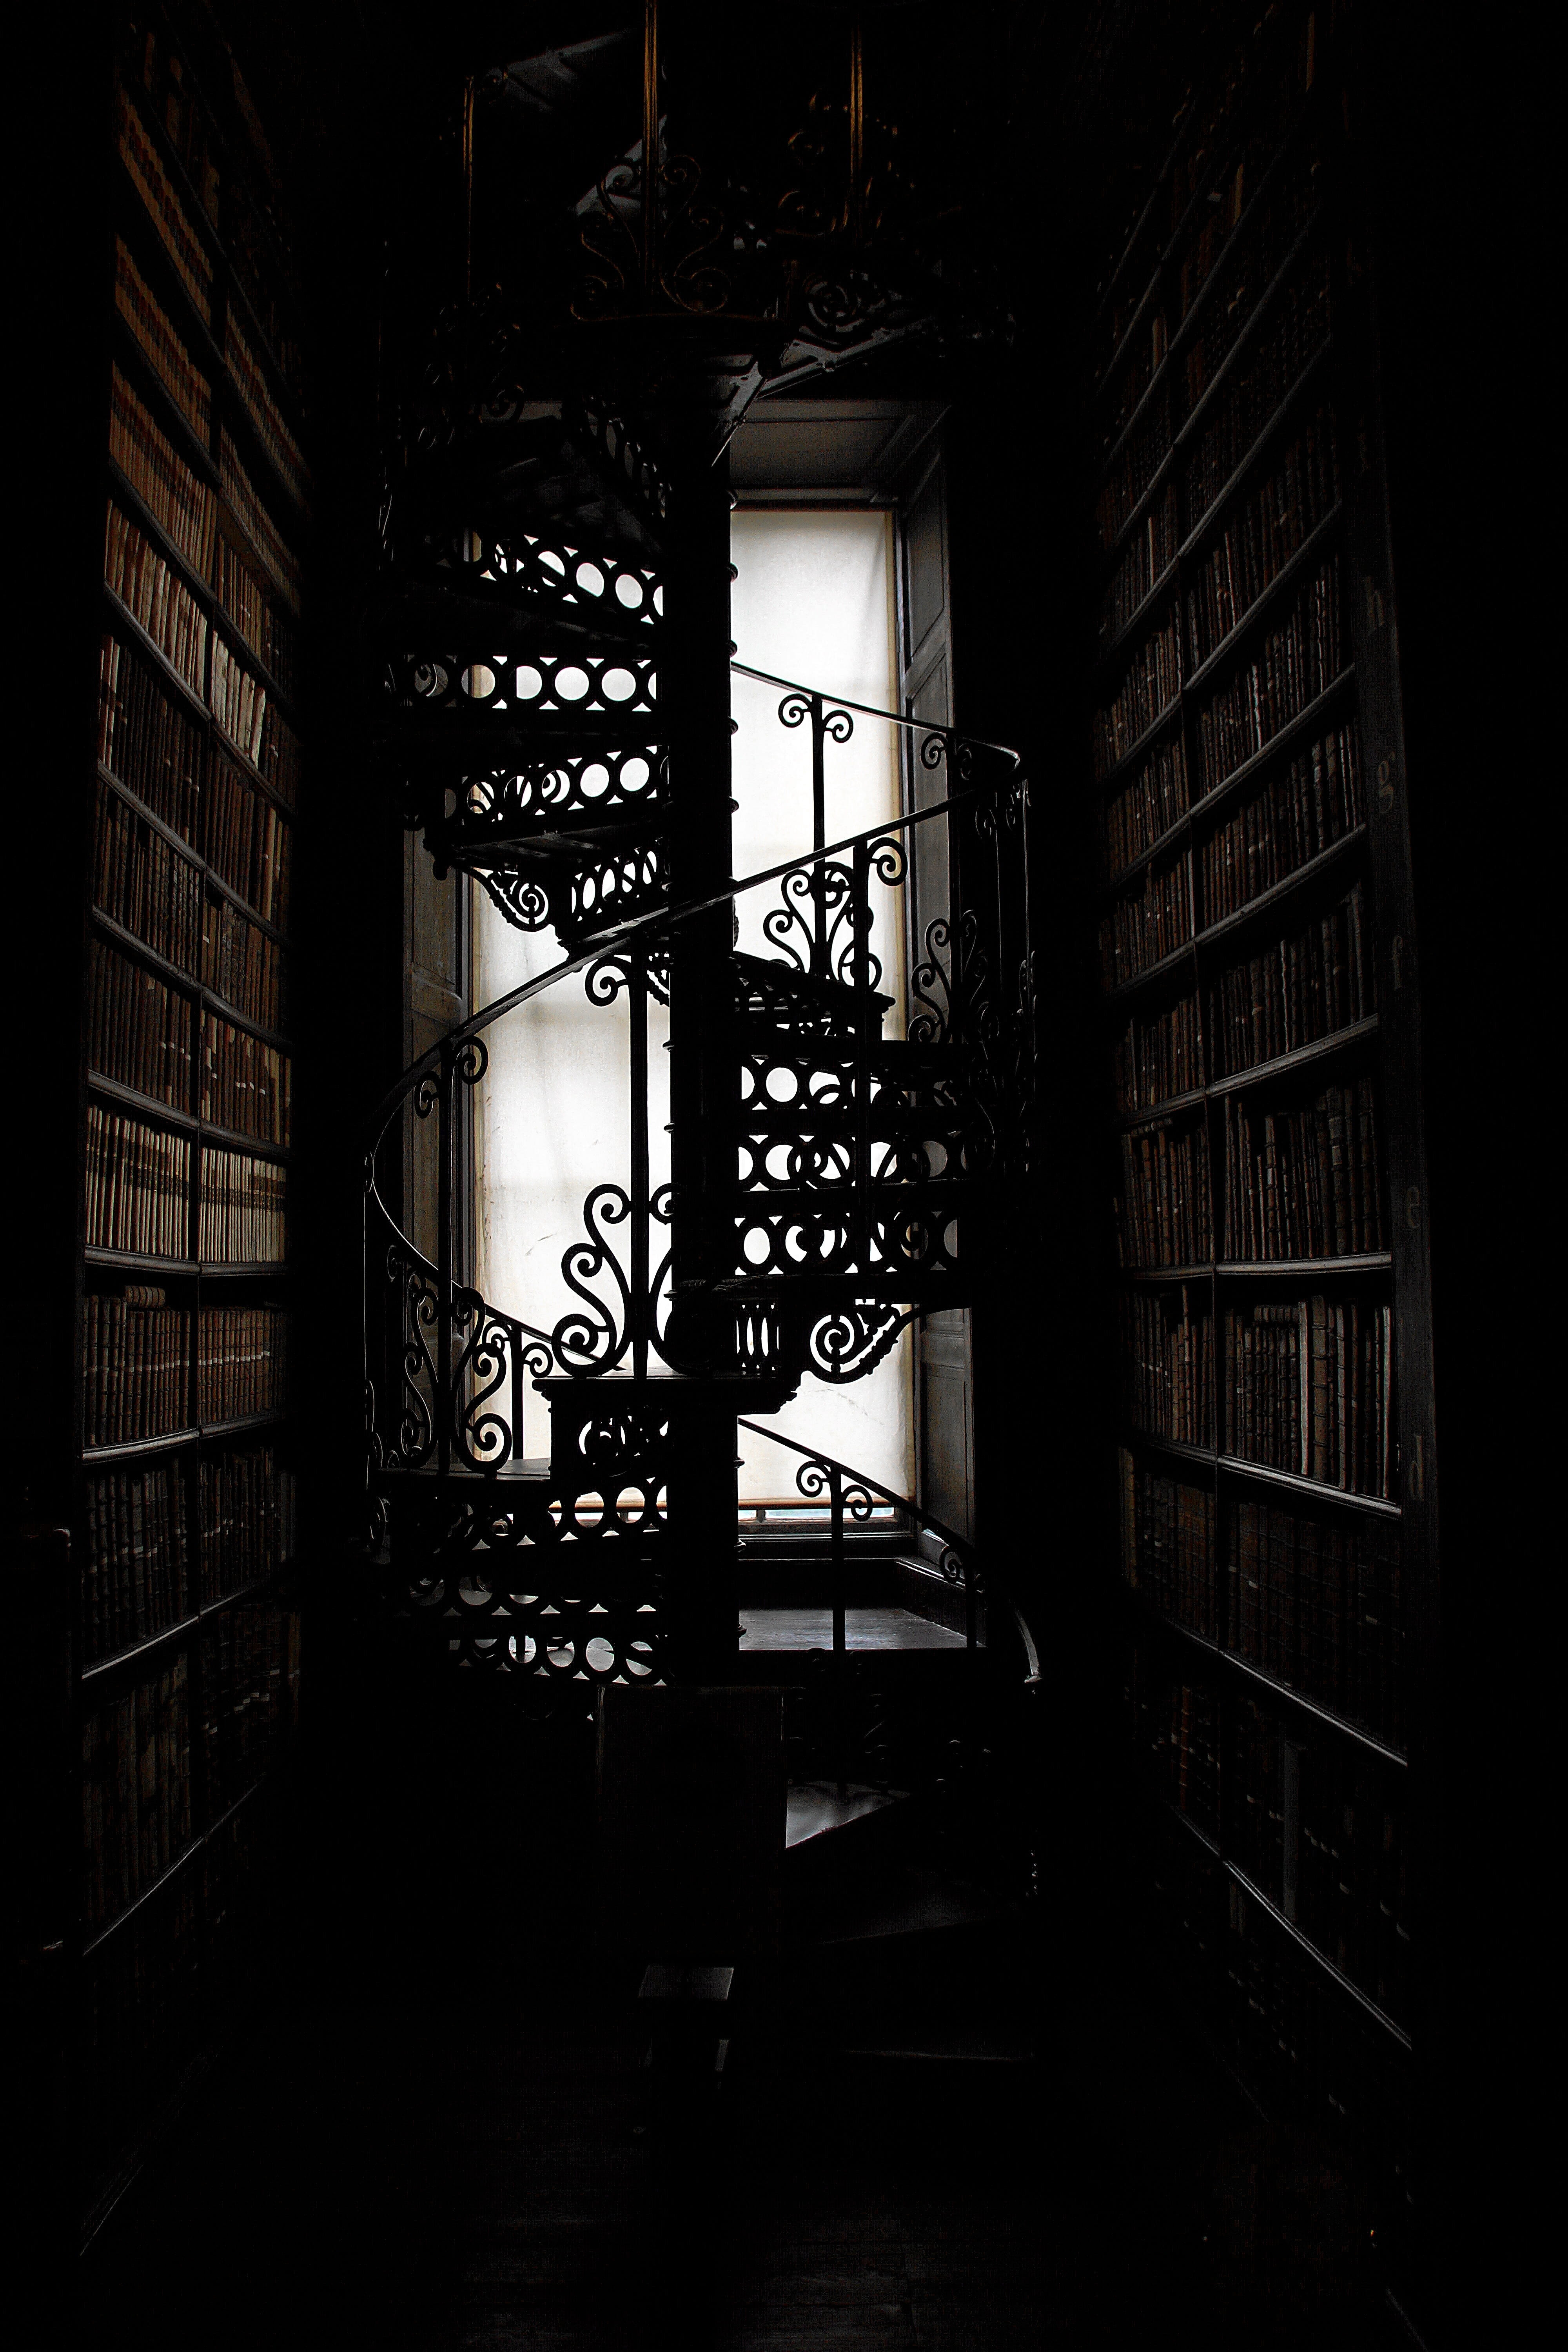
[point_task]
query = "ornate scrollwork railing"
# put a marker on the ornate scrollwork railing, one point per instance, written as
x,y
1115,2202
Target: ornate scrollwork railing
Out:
x,y
853,1154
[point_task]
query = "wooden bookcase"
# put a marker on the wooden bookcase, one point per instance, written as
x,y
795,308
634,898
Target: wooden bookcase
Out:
x,y
184,1641
1275,1473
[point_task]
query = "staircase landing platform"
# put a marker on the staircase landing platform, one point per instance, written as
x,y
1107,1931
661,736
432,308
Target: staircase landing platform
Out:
x,y
773,1628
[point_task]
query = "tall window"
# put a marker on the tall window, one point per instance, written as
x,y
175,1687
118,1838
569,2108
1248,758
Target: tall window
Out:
x,y
813,601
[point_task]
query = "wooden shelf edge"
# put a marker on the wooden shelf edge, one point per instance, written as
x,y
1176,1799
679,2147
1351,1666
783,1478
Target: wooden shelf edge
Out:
x,y
1320,1049
1231,1663
125,1449
1301,878
1235,637
192,857
125,493
1311,1489
1304,1943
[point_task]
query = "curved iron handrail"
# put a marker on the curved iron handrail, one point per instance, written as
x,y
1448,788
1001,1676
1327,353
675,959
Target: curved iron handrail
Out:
x,y
649,926
961,1546
894,717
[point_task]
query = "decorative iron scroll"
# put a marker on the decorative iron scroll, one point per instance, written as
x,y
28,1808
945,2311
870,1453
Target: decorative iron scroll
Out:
x,y
593,1339
490,1353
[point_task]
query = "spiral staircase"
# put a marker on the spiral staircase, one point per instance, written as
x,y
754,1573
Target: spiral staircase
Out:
x,y
850,1109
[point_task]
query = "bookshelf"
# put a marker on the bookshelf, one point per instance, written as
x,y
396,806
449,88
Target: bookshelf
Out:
x,y
185,1637
1274,1469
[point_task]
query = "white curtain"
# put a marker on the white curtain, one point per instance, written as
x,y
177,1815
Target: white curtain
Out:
x,y
813,600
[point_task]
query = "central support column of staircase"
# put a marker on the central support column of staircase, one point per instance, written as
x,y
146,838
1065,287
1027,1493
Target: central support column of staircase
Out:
x,y
694,690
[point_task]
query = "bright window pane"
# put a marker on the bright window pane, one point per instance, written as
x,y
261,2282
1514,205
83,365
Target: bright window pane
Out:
x,y
813,600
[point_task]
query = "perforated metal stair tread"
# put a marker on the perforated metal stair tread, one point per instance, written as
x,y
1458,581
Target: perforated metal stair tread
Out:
x,y
800,1630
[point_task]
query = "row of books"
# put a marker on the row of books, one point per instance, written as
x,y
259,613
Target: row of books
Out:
x,y
148,740
151,63
183,507
1306,1821
242,963
1287,2023
1296,663
138,1028
165,607
155,338
1135,472
1264,247
1220,218
141,882
257,617
1167,1365
155,598
186,511
141,2015
246,842
192,262
249,380
1298,813
1158,1056
243,1658
1256,391
135,1791
1149,685
136,1356
279,761
240,1216
245,1082
1312,1826
1297,990
1320,1605
242,1361
1262,534
1148,557
1308,1388
1162,1215
1253,394
1141,932
1168,1545
254,517
158,751
136,1367
1143,812
139,1033
238,702
246,1515
1177,1732
136,1578
160,74
1316,1603
1142,358
138,1186
1304,1183
1301,812
1260,85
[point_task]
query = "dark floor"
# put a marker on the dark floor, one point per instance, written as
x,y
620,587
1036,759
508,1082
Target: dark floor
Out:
x,y
432,2136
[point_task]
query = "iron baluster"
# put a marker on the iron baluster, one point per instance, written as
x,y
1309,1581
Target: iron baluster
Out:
x,y
641,1304
841,1635
445,1106
868,1026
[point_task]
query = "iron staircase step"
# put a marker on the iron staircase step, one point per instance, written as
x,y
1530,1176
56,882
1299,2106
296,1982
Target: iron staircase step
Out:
x,y
549,471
